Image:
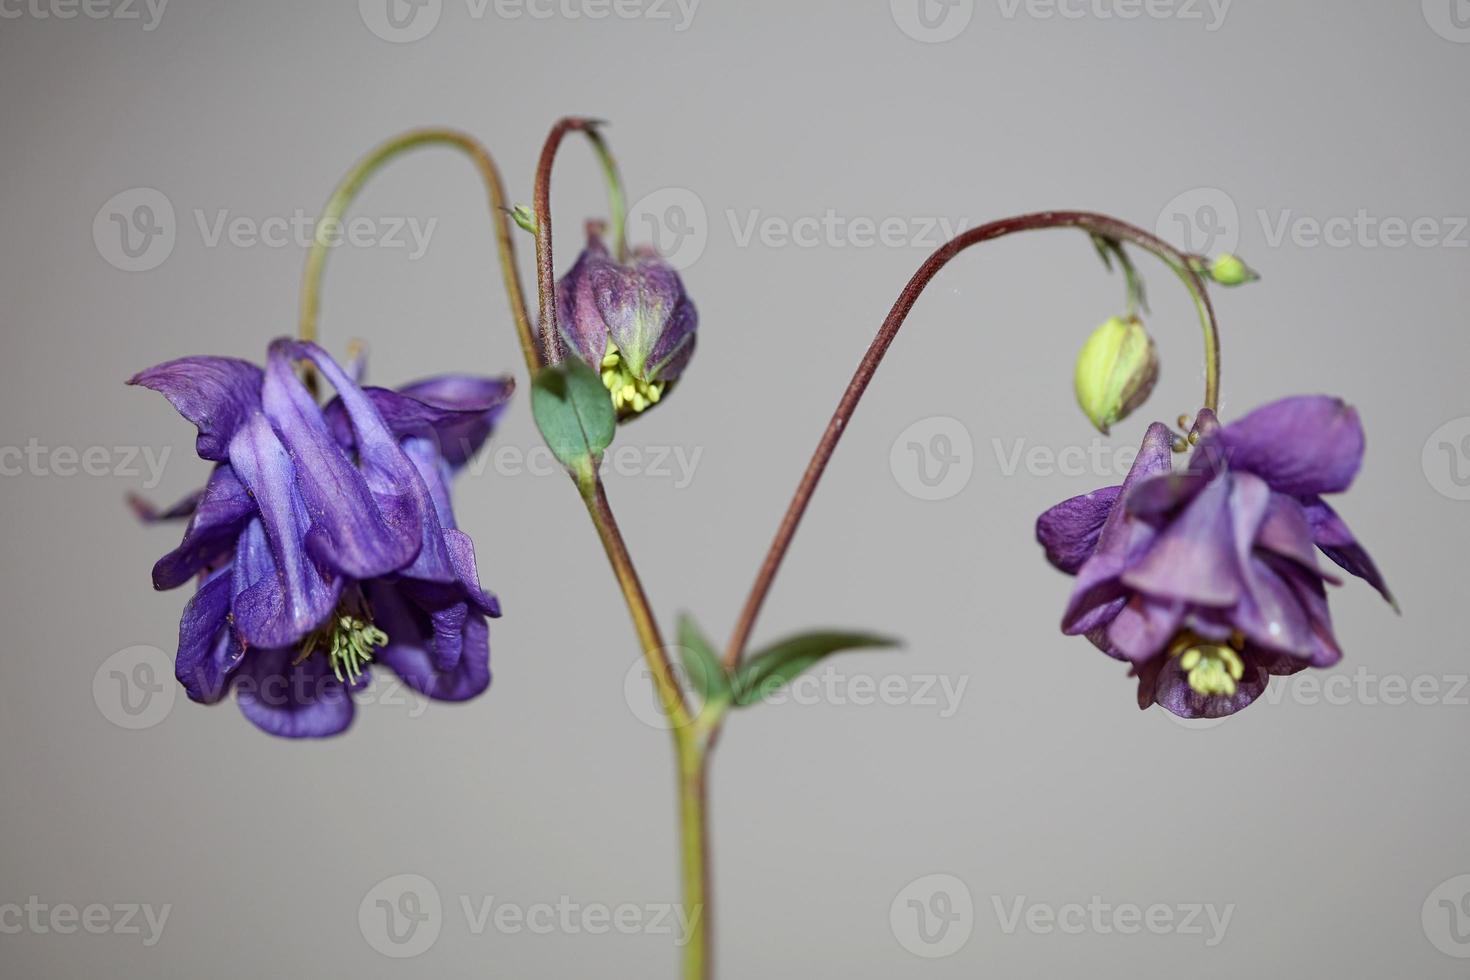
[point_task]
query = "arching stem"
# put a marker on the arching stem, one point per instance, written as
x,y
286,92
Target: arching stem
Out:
x,y
545,268
330,222
1096,224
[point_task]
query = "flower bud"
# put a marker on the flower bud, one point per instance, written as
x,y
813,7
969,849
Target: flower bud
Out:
x,y
1230,270
630,321
1116,371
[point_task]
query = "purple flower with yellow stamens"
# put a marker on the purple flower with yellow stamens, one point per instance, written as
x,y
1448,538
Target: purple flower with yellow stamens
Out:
x,y
632,322
324,540
1207,580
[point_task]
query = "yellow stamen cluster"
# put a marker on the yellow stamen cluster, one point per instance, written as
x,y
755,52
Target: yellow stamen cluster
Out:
x,y
1213,669
631,394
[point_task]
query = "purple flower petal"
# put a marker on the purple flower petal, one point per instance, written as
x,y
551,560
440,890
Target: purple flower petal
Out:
x,y
1099,595
1303,446
675,346
217,394
293,700
223,508
1193,558
458,412
1287,532
149,514
1335,538
636,302
208,651
1171,691
280,593
579,323
1070,531
1144,627
408,652
367,520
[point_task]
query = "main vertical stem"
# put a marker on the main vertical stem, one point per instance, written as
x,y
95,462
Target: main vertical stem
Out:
x,y
694,839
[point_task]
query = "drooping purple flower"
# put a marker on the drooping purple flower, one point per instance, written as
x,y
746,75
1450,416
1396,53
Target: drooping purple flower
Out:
x,y
632,322
1207,580
324,539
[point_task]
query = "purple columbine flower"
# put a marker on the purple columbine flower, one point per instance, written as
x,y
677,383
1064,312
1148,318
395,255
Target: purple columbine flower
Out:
x,y
1207,580
324,539
632,322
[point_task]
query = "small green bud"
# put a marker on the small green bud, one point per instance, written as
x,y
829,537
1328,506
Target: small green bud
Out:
x,y
1229,270
1116,371
523,216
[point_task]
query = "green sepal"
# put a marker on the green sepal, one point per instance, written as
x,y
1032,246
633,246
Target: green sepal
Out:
x,y
767,671
574,413
707,675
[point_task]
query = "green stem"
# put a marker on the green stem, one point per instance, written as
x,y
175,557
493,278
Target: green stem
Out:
x,y
617,202
691,735
351,184
694,846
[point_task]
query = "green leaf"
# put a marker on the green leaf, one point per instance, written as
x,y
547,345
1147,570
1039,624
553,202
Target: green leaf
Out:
x,y
706,674
574,412
765,672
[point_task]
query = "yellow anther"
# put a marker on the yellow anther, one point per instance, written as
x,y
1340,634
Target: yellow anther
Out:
x,y
1212,669
630,394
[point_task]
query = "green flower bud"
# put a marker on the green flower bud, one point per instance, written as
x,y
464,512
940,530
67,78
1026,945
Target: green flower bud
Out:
x,y
1229,270
1116,371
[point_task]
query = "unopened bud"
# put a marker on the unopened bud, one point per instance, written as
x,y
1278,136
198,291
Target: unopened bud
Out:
x,y
1230,270
1116,371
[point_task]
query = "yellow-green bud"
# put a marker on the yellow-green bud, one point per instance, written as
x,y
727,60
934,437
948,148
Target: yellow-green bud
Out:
x,y
1229,270
1116,371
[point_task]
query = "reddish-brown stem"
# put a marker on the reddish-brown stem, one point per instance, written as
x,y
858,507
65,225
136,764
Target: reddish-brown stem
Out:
x,y
1095,224
545,270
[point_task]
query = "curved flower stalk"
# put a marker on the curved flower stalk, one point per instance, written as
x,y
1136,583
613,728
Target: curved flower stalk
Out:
x,y
324,540
1207,581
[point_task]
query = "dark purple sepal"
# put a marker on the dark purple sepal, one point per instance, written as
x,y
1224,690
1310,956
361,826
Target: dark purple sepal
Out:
x,y
294,699
367,519
217,394
224,505
208,651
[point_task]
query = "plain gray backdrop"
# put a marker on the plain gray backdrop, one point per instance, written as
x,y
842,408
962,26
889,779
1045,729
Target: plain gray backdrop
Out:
x,y
800,159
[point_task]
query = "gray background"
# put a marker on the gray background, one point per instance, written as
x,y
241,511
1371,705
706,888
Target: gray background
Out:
x,y
1326,821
